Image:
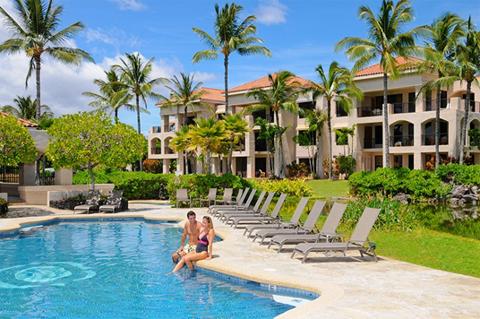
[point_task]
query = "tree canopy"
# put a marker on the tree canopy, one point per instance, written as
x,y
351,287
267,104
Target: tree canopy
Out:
x,y
16,144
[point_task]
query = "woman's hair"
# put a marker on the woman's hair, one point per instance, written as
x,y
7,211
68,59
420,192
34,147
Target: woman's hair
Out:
x,y
209,219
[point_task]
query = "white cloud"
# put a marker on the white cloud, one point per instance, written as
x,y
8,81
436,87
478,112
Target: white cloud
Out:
x,y
62,85
203,76
131,5
271,12
114,37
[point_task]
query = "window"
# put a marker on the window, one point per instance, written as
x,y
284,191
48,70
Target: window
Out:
x,y
306,107
340,109
397,161
410,161
341,139
306,138
411,102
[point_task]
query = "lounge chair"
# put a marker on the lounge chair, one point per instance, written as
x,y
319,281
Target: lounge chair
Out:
x,y
262,218
256,211
227,199
91,204
211,197
243,209
287,235
358,241
291,224
113,204
182,197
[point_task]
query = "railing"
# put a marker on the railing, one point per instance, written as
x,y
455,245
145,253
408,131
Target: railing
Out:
x,y
429,139
401,140
365,111
400,107
156,129
372,143
9,175
431,105
47,180
156,150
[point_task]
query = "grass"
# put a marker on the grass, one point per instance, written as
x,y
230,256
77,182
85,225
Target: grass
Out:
x,y
324,188
422,246
432,249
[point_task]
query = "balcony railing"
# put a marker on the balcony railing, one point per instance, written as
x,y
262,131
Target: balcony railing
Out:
x,y
429,139
372,143
365,111
156,150
408,107
156,129
401,140
431,105
9,175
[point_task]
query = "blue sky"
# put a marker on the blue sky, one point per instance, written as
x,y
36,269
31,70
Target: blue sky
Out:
x,y
300,34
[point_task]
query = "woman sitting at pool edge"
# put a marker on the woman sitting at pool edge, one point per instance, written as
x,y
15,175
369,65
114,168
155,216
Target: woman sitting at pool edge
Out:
x,y
204,246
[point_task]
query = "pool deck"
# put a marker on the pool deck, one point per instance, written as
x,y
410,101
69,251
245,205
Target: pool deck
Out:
x,y
348,288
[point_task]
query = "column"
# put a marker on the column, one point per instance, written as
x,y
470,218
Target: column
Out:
x,y
63,176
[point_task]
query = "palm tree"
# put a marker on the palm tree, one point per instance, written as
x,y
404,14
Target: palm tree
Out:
x,y
230,36
183,92
26,108
35,34
135,74
337,85
315,120
207,135
442,37
236,128
464,67
181,143
112,94
282,95
385,42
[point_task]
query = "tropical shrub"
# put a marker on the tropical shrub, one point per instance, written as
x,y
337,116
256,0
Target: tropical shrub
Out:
x,y
69,203
474,135
389,182
459,174
346,164
3,207
152,166
300,170
297,187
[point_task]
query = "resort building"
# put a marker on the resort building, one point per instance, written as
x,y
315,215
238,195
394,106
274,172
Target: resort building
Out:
x,y
411,124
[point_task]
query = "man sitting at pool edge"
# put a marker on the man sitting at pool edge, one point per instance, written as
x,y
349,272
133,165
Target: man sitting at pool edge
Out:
x,y
191,229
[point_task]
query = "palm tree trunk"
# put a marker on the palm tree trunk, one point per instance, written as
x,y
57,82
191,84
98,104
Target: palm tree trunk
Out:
x,y
463,134
319,161
330,151
437,129
209,164
386,133
92,177
225,64
229,159
139,128
38,64
279,150
270,158
116,115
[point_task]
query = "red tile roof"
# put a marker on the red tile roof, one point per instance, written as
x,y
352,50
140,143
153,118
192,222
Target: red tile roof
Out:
x,y
377,68
213,95
263,82
24,122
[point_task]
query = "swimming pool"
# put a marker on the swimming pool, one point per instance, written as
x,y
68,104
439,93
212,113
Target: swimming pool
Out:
x,y
119,269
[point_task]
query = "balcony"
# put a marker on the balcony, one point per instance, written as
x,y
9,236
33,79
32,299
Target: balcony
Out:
x,y
400,107
156,129
372,143
367,111
429,139
401,140
431,105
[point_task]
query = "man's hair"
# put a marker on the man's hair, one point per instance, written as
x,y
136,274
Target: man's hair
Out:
x,y
191,213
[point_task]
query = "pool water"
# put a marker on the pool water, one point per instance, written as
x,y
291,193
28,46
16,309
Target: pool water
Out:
x,y
118,270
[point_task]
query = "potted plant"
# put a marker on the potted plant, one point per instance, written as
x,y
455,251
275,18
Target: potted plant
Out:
x,y
3,207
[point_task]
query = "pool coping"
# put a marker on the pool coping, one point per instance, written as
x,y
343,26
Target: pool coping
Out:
x,y
326,294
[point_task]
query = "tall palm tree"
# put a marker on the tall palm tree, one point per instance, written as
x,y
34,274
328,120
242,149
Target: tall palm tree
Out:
x,y
230,36
184,92
208,135
35,33
112,95
336,85
281,95
386,42
442,37
26,108
181,143
135,73
235,128
315,120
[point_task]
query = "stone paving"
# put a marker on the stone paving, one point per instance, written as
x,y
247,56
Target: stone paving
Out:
x,y
347,288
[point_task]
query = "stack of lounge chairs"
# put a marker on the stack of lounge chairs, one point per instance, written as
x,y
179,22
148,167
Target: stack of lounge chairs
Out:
x,y
113,203
261,223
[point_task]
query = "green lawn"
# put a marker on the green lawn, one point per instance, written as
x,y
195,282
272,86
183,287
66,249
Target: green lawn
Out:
x,y
325,188
432,249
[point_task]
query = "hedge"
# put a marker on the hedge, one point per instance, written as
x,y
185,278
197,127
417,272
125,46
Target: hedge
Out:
x,y
459,174
295,187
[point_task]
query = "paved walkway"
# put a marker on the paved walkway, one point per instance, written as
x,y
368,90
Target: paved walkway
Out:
x,y
349,289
